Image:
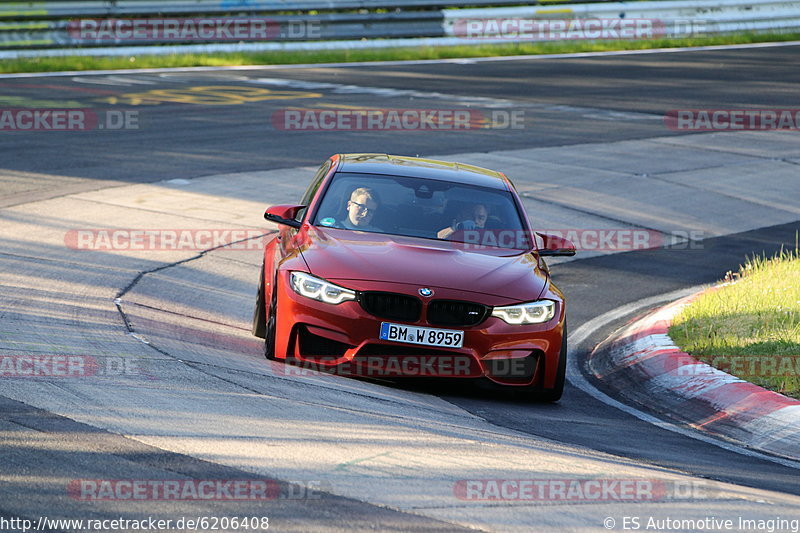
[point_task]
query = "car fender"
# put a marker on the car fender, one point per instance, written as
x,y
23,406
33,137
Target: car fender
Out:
x,y
271,250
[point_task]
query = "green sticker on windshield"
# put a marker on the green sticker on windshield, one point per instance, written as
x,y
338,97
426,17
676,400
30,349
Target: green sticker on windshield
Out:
x,y
328,221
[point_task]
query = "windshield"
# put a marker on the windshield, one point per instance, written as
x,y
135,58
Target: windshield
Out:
x,y
418,207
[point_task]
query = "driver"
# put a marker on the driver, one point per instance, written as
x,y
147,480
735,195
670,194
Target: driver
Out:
x,y
361,207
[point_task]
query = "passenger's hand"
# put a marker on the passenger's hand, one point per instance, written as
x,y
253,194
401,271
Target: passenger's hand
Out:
x,y
468,225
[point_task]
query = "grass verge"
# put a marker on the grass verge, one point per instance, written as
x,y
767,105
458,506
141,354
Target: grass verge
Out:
x,y
49,64
750,328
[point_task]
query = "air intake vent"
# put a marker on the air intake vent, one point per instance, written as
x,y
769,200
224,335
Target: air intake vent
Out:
x,y
391,305
456,313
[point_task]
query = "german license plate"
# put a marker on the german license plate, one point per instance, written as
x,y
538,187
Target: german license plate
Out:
x,y
448,338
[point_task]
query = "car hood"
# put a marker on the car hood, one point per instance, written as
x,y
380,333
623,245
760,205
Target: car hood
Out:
x,y
341,255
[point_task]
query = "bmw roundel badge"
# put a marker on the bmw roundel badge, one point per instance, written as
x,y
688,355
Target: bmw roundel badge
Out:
x,y
426,292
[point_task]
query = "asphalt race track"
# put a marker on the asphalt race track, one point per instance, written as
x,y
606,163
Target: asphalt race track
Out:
x,y
199,150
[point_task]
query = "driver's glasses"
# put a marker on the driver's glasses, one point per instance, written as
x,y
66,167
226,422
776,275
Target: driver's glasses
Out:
x,y
362,209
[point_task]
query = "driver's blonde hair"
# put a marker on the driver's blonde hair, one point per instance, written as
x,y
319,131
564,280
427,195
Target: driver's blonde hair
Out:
x,y
365,191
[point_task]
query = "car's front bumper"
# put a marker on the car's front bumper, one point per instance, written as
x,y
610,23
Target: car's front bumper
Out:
x,y
344,338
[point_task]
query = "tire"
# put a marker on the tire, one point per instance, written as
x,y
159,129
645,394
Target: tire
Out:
x,y
269,326
259,322
554,394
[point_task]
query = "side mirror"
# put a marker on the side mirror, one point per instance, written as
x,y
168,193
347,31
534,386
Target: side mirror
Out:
x,y
283,214
555,246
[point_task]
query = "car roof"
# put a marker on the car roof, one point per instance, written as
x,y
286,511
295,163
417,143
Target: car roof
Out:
x,y
417,167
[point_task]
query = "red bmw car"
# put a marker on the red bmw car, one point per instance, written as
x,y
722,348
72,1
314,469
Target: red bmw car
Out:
x,y
399,266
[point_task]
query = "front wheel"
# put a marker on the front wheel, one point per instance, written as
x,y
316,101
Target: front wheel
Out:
x,y
269,329
259,323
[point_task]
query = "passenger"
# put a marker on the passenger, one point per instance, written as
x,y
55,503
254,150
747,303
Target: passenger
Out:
x,y
471,218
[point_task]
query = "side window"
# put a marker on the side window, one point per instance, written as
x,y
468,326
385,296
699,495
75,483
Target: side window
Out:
x,y
312,188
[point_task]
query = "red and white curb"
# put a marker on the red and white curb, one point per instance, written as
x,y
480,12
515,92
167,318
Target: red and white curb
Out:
x,y
642,364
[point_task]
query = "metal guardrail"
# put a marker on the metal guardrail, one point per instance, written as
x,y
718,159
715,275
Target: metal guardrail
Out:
x,y
279,28
119,8
677,18
55,28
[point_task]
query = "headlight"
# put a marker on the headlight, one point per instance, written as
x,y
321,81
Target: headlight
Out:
x,y
319,289
529,313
